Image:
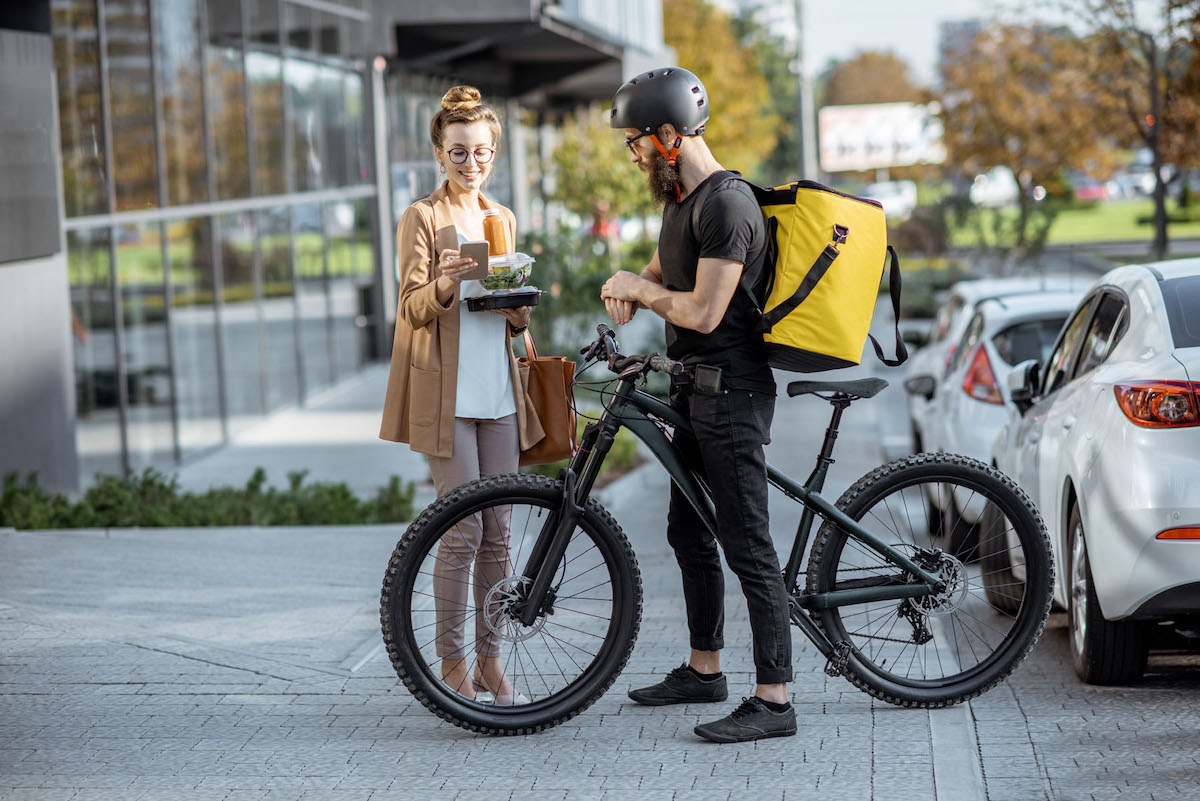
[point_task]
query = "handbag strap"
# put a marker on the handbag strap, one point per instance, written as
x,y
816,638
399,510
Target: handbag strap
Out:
x,y
530,348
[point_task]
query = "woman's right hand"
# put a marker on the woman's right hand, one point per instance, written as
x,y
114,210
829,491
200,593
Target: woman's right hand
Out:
x,y
453,265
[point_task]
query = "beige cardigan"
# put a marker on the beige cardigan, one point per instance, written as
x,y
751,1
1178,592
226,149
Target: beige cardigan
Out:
x,y
422,385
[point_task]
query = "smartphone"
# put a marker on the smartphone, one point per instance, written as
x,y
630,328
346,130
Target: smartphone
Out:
x,y
708,378
479,252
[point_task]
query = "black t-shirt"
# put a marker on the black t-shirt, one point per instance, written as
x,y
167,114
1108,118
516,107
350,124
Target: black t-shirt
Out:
x,y
730,227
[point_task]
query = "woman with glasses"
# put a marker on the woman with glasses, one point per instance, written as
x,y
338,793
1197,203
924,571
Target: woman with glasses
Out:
x,y
455,391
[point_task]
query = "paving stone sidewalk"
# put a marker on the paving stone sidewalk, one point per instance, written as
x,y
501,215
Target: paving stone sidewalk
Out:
x,y
246,664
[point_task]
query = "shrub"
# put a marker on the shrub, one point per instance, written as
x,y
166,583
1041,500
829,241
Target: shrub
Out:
x,y
154,500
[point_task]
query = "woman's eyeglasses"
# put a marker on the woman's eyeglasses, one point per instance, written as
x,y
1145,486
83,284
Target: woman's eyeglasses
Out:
x,y
483,155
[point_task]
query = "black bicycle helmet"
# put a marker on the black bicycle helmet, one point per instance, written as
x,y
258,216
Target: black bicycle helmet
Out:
x,y
667,94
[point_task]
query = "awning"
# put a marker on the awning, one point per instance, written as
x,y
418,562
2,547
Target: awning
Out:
x,y
545,61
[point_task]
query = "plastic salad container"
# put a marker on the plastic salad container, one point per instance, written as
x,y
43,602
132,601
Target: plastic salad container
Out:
x,y
508,271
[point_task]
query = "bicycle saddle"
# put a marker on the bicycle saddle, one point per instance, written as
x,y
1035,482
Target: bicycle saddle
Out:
x,y
861,388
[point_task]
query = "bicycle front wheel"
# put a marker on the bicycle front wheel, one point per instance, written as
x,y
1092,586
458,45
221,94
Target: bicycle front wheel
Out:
x,y
448,597
939,649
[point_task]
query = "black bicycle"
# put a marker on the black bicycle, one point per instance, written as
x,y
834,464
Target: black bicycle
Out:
x,y
560,608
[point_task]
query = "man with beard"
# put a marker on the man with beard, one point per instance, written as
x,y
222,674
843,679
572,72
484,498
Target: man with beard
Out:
x,y
707,280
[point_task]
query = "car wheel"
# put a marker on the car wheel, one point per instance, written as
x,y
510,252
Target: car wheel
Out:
x,y
959,535
1003,589
1103,651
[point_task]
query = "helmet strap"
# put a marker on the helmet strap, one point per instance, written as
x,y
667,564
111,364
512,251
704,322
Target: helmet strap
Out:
x,y
670,157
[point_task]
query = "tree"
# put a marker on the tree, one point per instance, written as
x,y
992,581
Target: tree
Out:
x,y
594,177
745,126
1015,100
1142,61
775,60
871,76
1180,143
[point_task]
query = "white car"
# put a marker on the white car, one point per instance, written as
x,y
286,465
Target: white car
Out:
x,y
1106,440
927,366
969,407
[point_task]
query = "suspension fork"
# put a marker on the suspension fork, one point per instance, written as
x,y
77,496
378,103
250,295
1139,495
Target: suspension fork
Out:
x,y
577,478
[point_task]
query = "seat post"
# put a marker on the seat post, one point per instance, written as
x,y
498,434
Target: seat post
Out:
x,y
840,403
815,483
816,480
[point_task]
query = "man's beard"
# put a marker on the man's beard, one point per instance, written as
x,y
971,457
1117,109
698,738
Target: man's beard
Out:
x,y
663,178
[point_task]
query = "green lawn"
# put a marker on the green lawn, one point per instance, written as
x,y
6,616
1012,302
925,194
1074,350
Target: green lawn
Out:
x,y
1114,221
141,263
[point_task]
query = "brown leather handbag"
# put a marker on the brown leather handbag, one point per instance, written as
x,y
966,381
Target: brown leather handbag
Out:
x,y
550,392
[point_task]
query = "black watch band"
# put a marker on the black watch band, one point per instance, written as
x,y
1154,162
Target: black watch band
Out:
x,y
513,330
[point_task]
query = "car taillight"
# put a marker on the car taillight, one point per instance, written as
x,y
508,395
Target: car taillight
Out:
x,y
980,381
1179,534
1159,404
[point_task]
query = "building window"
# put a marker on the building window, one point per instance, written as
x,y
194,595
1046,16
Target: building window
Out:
x,y
194,335
130,81
97,402
141,289
180,78
80,116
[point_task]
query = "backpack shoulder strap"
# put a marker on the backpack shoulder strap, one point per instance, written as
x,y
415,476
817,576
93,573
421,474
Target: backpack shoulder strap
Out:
x,y
701,198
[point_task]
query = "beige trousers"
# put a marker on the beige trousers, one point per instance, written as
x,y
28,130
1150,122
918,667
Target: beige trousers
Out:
x,y
481,448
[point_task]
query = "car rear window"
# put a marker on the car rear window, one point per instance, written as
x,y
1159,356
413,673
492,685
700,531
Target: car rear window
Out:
x,y
1028,340
1182,299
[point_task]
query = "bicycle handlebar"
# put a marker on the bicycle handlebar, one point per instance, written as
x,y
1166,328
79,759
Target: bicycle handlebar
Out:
x,y
606,345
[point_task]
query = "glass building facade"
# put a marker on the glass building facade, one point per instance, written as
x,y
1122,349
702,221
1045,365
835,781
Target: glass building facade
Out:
x,y
227,233
220,209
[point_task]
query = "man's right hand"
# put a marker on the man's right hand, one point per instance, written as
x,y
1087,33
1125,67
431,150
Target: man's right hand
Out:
x,y
621,311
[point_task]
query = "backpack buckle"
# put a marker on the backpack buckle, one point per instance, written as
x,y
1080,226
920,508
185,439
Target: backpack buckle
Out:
x,y
840,233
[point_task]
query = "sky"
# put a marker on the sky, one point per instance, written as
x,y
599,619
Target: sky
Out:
x,y
834,29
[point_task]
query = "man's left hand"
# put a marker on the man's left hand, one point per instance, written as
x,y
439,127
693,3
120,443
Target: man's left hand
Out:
x,y
623,285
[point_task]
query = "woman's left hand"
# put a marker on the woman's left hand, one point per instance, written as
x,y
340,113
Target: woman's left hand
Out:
x,y
518,317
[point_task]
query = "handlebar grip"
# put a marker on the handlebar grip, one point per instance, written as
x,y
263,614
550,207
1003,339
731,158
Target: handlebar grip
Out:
x,y
664,365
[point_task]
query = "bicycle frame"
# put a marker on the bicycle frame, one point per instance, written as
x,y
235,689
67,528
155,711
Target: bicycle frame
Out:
x,y
638,411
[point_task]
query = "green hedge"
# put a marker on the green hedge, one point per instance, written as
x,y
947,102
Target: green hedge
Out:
x,y
154,500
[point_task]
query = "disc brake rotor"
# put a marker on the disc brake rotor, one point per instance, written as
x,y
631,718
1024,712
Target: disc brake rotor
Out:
x,y
497,606
954,573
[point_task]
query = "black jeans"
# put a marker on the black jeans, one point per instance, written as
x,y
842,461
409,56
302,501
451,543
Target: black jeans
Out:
x,y
730,429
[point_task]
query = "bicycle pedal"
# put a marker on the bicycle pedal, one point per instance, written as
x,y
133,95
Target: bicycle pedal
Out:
x,y
836,664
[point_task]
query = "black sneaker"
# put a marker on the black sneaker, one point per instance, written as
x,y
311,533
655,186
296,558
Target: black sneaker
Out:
x,y
682,686
750,721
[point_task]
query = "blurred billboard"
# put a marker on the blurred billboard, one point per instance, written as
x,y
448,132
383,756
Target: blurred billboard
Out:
x,y
879,135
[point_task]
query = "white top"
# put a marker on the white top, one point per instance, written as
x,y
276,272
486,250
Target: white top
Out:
x,y
485,389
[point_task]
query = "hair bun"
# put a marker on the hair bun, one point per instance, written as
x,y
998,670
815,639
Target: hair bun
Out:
x,y
461,98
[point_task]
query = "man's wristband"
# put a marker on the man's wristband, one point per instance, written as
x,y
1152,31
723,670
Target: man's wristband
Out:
x,y
514,331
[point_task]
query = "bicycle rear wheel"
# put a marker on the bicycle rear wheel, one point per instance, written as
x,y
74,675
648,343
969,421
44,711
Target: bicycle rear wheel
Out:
x,y
448,593
939,649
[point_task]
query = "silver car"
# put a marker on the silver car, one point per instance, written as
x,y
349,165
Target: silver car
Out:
x,y
927,366
1106,439
969,407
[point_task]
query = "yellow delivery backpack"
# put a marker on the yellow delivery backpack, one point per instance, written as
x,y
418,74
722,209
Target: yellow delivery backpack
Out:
x,y
826,255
